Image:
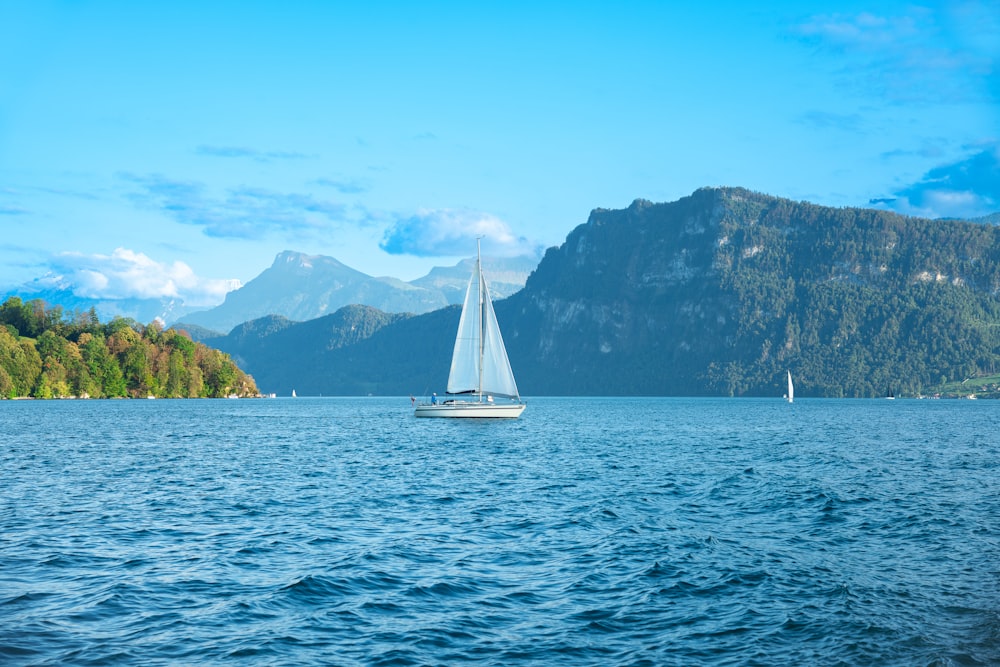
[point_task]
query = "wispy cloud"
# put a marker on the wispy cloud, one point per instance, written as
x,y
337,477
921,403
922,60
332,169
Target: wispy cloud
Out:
x,y
837,121
928,55
128,274
451,232
10,207
964,189
861,31
346,187
244,213
930,149
249,153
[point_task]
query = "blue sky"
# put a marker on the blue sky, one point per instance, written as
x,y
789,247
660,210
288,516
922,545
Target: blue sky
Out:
x,y
174,148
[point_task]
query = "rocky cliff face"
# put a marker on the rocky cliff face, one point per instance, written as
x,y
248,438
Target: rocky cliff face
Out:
x,y
625,302
721,291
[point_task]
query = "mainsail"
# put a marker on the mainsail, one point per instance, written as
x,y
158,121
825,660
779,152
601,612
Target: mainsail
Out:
x,y
479,363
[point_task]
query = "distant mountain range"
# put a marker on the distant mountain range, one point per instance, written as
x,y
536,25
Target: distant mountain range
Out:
x,y
303,287
718,293
299,287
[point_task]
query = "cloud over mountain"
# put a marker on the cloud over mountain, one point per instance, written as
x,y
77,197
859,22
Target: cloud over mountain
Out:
x,y
451,232
126,274
967,188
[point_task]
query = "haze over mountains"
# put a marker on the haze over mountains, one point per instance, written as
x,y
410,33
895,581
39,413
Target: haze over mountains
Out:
x,y
718,293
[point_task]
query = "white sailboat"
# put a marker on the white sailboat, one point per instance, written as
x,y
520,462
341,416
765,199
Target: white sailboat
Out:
x,y
481,383
791,389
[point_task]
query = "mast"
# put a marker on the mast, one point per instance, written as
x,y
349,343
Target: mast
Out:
x,y
482,323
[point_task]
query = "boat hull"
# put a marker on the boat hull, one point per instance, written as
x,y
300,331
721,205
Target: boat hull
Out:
x,y
469,409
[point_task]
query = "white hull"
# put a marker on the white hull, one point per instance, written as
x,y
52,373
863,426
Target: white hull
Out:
x,y
470,409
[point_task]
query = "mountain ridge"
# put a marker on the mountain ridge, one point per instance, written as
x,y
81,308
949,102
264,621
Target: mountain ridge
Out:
x,y
718,293
302,287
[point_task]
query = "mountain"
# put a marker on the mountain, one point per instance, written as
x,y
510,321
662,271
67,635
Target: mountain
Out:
x,y
303,287
718,293
721,292
303,345
991,219
506,275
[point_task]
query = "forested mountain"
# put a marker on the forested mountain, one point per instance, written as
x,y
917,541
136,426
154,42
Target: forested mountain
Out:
x,y
279,349
718,293
721,292
44,354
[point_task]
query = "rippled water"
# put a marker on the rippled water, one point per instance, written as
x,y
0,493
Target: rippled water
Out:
x,y
588,532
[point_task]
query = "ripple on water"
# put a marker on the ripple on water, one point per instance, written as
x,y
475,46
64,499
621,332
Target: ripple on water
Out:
x,y
345,531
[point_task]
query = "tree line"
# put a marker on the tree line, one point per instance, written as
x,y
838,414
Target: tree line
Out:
x,y
48,353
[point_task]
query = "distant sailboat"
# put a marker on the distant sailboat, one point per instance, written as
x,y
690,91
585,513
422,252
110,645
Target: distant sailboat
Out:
x,y
479,364
293,393
791,389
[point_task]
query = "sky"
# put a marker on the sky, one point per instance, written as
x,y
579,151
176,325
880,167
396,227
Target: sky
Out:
x,y
173,149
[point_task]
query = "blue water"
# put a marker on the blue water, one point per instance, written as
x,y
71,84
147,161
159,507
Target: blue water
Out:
x,y
588,532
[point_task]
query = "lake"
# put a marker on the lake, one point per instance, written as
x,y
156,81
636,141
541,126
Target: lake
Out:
x,y
593,531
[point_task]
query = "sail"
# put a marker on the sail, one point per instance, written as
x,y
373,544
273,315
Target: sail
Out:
x,y
479,362
498,378
464,375
791,388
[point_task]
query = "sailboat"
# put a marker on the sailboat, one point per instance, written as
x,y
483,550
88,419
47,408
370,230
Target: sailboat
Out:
x,y
481,383
791,389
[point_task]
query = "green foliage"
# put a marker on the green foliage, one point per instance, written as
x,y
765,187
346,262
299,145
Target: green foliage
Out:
x,y
46,354
719,293
722,292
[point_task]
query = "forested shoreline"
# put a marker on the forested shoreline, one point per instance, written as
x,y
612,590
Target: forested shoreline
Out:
x,y
47,353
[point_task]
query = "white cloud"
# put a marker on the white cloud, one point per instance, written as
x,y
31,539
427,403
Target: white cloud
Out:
x,y
928,55
244,212
126,274
966,188
453,232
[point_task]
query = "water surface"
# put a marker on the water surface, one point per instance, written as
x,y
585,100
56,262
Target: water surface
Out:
x,y
588,532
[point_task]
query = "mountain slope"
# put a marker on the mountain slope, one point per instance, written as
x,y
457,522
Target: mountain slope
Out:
x,y
302,287
291,355
722,291
718,293
506,275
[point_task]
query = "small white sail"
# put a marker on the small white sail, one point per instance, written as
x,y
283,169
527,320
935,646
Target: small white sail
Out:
x,y
791,388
